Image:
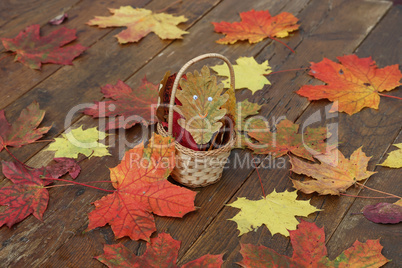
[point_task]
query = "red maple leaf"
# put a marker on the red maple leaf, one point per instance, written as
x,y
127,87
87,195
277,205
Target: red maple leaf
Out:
x,y
355,83
161,253
62,166
141,189
27,195
24,130
128,106
32,50
309,250
256,26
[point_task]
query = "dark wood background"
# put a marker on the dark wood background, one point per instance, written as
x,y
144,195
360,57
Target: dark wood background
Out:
x,y
329,28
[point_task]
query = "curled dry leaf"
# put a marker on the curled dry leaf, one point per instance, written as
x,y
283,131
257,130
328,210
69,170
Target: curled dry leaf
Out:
x,y
58,19
383,213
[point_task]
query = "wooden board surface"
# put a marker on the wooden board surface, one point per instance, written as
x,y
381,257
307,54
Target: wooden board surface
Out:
x,y
328,29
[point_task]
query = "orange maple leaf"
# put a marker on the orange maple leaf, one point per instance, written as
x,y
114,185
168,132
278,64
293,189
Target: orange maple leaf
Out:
x,y
353,84
142,189
256,26
335,173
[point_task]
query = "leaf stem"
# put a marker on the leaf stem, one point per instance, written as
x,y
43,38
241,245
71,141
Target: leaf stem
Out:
x,y
378,191
389,96
367,197
13,156
78,183
42,141
259,177
277,40
70,184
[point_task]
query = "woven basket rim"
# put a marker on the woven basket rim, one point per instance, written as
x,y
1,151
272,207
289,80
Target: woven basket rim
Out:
x,y
200,154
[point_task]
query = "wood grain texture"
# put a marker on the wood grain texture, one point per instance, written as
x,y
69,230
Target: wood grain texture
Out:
x,y
328,28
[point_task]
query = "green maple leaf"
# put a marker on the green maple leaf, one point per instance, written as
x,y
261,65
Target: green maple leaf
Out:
x,y
80,141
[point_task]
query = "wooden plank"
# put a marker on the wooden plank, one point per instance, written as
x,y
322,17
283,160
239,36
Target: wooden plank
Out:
x,y
16,14
220,235
17,79
105,62
209,197
375,130
36,241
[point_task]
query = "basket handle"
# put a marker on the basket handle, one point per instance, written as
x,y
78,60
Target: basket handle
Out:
x,y
180,74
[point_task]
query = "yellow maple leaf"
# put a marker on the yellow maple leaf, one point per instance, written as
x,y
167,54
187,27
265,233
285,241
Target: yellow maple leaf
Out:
x,y
277,211
139,23
249,73
394,159
80,141
335,173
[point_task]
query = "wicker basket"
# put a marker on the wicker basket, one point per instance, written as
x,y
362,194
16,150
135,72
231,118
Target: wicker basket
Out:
x,y
198,168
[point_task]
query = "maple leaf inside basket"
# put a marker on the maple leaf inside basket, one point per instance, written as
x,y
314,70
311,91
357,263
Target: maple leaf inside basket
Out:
x,y
202,115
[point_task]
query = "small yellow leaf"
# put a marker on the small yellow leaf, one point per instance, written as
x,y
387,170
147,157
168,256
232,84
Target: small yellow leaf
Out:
x,y
249,74
277,211
80,141
394,159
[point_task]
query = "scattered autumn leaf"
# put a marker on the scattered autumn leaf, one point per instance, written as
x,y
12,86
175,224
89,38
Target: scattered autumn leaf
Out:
x,y
58,19
277,211
127,106
79,141
140,22
201,99
331,176
161,253
62,166
383,213
394,159
26,196
256,26
32,50
248,72
309,250
353,84
244,110
142,188
287,139
24,130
